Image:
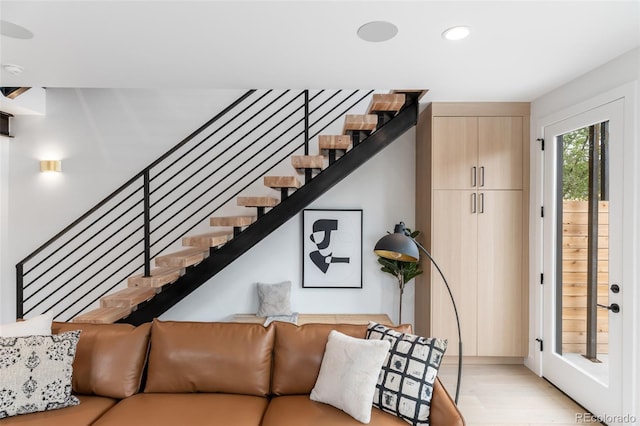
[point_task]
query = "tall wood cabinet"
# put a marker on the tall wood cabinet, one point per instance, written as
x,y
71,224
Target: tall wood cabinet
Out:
x,y
472,168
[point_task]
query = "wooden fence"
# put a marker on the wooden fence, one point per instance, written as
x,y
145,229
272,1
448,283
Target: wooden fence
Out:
x,y
574,276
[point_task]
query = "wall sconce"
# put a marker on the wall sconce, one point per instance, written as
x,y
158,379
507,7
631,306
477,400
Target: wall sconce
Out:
x,y
50,166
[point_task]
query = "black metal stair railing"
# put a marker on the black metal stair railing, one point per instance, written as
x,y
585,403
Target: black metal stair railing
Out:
x,y
174,195
292,205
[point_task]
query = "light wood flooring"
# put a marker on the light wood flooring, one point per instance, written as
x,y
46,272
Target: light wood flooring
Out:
x,y
508,395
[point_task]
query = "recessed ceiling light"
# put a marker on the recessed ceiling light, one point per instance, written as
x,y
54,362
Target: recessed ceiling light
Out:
x,y
12,68
9,29
455,33
377,31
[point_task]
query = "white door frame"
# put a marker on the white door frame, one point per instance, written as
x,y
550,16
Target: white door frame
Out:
x,y
630,243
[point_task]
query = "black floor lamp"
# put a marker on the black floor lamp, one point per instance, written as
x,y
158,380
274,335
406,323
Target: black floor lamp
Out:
x,y
401,246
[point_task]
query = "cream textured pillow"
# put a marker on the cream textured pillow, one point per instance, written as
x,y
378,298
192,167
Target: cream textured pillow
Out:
x,y
35,373
274,299
348,374
37,326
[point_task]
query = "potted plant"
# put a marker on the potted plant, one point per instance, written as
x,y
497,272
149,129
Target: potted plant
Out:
x,y
402,271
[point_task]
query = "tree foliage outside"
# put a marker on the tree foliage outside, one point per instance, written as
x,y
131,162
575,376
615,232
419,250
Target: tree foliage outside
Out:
x,y
575,156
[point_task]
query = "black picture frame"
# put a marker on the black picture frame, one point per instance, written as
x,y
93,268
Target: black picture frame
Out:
x,y
332,248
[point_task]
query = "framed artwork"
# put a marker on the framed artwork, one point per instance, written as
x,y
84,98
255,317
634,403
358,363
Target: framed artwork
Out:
x,y
331,248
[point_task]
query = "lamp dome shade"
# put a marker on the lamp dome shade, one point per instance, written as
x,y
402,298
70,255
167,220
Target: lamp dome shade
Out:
x,y
397,246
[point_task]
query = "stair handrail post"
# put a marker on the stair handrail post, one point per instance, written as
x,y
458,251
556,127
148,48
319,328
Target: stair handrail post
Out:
x,y
306,122
19,290
147,223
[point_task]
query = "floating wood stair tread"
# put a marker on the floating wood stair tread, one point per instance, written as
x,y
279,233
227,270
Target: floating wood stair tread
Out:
x,y
232,221
103,315
182,258
326,142
158,278
386,102
211,239
366,122
257,201
419,92
301,162
127,298
282,182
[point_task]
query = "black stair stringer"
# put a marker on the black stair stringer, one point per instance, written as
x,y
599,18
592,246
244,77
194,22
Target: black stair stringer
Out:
x,y
296,202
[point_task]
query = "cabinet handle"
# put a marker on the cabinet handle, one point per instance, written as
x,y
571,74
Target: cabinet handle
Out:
x,y
473,177
473,202
482,202
482,176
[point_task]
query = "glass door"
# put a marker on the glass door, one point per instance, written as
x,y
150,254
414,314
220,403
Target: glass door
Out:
x,y
582,258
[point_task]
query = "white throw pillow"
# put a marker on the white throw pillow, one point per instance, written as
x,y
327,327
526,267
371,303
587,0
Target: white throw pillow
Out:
x,y
36,372
348,374
37,326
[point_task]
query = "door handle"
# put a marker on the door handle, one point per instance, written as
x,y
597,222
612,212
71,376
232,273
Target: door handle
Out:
x,y
482,202
614,307
473,202
482,176
473,177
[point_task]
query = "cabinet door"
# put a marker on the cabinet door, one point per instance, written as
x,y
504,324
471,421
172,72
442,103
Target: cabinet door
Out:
x,y
500,153
454,238
455,152
501,310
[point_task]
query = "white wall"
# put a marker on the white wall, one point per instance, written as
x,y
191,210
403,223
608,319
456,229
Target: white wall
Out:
x,y
5,301
104,136
620,76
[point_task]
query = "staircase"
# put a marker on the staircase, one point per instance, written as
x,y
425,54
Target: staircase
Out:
x,y
176,274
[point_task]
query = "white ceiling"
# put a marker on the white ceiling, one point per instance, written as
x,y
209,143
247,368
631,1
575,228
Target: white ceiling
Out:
x,y
517,50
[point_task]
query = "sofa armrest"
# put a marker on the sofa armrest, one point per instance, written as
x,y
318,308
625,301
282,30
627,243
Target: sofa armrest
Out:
x,y
444,411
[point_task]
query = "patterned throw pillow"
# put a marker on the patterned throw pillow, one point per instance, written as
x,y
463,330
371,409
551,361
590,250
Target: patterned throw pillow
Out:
x,y
405,383
35,373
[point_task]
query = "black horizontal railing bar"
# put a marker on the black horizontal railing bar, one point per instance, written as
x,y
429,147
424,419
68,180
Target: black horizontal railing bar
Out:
x,y
176,187
186,140
225,178
82,271
96,247
158,174
254,180
102,282
225,164
279,215
88,240
79,286
133,179
86,228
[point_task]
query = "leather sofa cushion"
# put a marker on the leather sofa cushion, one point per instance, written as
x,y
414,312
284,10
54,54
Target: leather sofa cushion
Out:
x,y
299,410
210,357
299,350
186,409
110,358
89,410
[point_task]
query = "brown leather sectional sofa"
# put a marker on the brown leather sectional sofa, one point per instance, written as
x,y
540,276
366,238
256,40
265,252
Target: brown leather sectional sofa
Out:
x,y
223,374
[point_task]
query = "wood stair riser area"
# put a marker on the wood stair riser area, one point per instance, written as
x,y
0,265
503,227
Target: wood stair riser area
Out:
x,y
332,145
260,203
237,222
170,267
183,258
158,278
282,183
